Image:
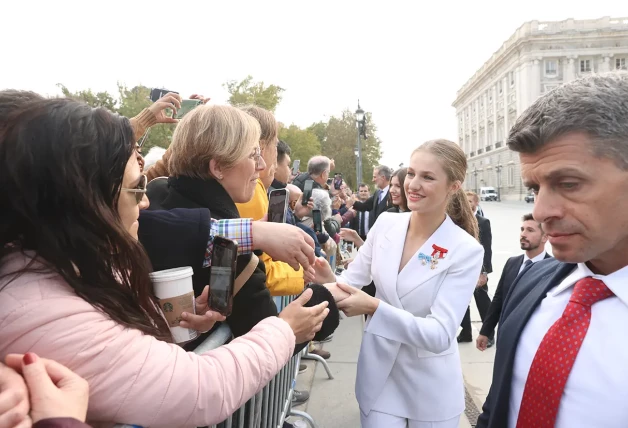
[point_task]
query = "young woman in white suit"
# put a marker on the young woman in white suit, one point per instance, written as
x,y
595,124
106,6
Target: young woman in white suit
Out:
x,y
424,264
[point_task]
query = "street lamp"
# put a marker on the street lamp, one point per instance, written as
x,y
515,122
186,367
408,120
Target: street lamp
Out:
x,y
498,169
475,174
361,122
356,152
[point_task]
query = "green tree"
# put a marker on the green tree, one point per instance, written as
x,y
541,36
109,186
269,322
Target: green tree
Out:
x,y
129,103
303,143
249,92
339,141
99,99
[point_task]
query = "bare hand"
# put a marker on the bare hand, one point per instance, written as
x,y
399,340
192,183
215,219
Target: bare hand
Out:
x,y
335,291
323,271
358,303
169,101
14,402
284,242
55,390
481,343
304,211
204,320
332,164
483,280
305,322
200,97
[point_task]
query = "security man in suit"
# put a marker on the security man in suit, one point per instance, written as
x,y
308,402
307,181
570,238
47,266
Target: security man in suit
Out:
x,y
482,300
561,356
379,202
532,240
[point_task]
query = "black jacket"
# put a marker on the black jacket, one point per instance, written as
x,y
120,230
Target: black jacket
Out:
x,y
486,239
509,275
253,302
300,180
373,206
525,296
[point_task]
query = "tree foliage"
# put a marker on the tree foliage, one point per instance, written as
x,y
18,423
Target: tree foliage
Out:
x,y
338,138
303,143
128,103
257,93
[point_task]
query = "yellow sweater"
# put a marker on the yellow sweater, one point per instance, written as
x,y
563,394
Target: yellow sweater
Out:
x,y
281,279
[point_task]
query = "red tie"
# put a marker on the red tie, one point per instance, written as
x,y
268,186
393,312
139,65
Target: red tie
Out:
x,y
556,355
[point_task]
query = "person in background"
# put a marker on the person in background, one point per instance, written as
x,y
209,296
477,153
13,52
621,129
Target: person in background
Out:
x,y
532,240
100,281
58,397
379,202
281,279
153,155
482,299
397,193
295,207
573,147
283,170
360,222
318,169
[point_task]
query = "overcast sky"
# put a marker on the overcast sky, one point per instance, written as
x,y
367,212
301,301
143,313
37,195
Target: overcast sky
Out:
x,y
403,60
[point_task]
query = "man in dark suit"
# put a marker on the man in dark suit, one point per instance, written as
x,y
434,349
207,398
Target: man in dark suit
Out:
x,y
360,222
561,358
482,300
379,202
532,240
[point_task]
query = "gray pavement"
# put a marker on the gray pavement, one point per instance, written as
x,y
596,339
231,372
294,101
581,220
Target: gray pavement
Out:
x,y
332,402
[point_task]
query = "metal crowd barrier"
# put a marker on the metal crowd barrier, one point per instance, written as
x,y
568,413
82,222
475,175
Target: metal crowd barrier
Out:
x,y
270,407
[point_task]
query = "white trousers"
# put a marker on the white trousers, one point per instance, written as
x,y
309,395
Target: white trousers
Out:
x,y
383,420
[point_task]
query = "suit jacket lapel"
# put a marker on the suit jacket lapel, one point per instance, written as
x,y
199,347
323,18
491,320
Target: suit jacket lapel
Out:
x,y
391,250
524,297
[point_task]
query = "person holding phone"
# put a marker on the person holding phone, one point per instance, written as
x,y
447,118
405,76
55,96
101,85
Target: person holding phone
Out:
x,y
424,264
75,285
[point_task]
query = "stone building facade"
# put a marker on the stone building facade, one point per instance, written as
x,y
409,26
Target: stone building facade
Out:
x,y
538,57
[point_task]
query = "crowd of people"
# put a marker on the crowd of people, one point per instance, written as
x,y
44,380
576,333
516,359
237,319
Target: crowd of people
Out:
x,y
86,218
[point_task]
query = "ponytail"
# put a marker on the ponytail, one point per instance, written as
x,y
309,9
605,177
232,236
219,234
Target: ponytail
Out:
x,y
460,212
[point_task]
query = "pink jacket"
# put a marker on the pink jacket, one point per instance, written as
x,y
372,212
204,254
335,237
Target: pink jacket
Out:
x,y
135,378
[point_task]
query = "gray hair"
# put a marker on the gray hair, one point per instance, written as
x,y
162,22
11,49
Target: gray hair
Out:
x,y
596,105
322,202
318,165
153,155
385,171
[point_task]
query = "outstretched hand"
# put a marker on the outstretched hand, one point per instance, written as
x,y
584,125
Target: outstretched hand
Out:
x,y
358,302
170,101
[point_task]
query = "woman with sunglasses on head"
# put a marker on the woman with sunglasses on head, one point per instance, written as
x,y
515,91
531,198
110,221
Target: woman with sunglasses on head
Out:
x,y
74,284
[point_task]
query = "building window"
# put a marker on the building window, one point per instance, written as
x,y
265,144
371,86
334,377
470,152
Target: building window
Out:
x,y
620,63
511,175
500,131
585,66
551,67
512,79
500,90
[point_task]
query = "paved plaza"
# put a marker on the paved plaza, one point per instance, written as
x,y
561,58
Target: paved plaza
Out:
x,y
332,403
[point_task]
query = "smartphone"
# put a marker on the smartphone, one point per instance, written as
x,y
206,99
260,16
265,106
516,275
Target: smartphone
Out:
x,y
222,275
187,106
295,166
278,203
307,192
338,181
318,221
156,93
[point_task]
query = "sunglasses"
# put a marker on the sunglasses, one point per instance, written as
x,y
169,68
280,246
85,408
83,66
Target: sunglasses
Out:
x,y
140,190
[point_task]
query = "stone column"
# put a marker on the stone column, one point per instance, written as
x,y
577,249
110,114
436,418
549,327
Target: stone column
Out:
x,y
569,69
494,90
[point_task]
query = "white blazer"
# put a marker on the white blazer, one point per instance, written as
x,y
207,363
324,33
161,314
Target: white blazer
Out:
x,y
409,365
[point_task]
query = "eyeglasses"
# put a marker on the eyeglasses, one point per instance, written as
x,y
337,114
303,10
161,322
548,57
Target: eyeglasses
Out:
x,y
256,156
140,190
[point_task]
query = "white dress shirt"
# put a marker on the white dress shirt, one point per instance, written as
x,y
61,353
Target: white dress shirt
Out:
x,y
383,193
596,392
534,259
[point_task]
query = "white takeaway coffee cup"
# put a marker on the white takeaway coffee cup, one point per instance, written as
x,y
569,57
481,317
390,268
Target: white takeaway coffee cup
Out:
x,y
173,288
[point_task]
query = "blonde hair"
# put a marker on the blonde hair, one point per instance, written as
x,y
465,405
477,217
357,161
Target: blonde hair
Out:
x,y
268,123
454,162
475,195
218,132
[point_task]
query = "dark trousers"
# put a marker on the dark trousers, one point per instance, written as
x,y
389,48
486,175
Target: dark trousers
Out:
x,y
483,302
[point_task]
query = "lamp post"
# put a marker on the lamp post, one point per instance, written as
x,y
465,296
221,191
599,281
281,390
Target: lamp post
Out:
x,y
356,152
475,174
498,169
360,121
